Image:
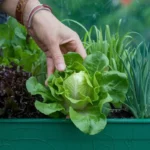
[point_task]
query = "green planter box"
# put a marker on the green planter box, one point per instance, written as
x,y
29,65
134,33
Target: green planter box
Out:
x,y
47,134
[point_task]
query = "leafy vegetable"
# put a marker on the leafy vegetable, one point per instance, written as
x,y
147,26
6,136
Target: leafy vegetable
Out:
x,y
25,53
88,121
81,91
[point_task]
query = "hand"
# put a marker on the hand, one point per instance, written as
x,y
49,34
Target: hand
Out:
x,y
55,39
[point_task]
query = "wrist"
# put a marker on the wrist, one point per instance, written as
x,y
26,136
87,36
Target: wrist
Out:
x,y
9,7
29,6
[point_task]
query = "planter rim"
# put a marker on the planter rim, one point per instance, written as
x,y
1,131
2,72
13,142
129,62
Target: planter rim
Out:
x,y
34,120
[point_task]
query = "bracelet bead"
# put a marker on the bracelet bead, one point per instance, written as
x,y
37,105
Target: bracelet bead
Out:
x,y
20,10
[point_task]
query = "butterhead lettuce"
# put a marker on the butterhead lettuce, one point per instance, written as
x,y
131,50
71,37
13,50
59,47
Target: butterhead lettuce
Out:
x,y
81,91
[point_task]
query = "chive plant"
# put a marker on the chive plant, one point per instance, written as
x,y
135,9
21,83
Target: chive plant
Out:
x,y
138,96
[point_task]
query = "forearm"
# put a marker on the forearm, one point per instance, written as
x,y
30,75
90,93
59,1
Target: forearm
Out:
x,y
9,7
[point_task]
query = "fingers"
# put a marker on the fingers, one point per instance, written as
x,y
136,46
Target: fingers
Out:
x,y
79,47
74,44
50,66
55,56
51,42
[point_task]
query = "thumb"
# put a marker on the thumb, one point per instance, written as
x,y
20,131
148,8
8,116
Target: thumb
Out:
x,y
57,56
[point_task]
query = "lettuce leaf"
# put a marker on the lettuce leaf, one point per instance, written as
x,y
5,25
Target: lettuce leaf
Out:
x,y
89,121
48,109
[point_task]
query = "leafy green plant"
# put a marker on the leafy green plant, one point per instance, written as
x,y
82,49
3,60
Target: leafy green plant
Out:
x,y
82,91
138,96
15,48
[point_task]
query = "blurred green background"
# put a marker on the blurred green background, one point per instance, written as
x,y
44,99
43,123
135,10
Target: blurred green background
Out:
x,y
135,14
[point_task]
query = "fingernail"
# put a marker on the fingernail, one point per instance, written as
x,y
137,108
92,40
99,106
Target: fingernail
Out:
x,y
61,67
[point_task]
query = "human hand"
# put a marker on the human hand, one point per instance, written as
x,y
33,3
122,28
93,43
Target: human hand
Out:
x,y
55,39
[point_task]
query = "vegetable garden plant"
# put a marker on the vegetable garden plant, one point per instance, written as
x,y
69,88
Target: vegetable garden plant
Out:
x,y
82,91
113,78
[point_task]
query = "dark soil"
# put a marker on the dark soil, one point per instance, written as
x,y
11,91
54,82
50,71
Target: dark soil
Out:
x,y
124,112
120,113
15,101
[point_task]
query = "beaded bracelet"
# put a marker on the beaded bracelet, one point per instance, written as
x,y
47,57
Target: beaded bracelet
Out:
x,y
20,10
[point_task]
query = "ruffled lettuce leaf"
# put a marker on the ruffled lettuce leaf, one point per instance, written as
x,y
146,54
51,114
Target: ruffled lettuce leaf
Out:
x,y
97,62
72,57
48,108
89,121
36,88
115,83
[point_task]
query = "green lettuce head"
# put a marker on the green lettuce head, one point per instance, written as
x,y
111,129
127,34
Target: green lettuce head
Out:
x,y
81,91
